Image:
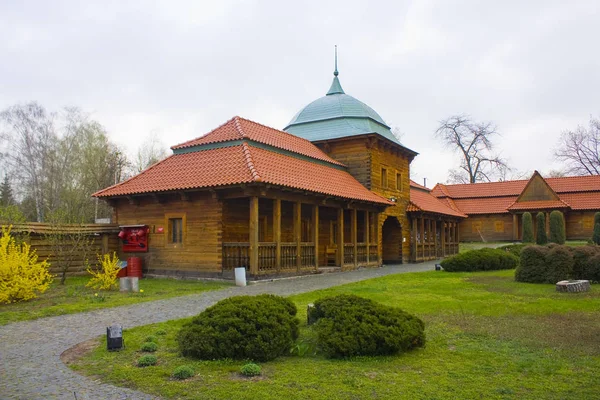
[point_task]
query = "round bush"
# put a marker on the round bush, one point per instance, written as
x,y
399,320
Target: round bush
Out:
x,y
532,266
183,372
559,264
514,249
586,263
149,346
160,332
349,325
480,260
258,328
151,339
147,360
250,369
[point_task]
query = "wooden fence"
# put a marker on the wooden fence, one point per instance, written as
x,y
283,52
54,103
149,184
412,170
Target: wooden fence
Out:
x,y
100,239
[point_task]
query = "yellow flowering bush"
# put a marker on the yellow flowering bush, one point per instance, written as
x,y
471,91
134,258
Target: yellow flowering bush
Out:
x,y
106,277
22,277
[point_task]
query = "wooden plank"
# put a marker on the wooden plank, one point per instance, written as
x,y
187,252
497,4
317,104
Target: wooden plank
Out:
x,y
367,237
298,233
340,237
315,221
353,233
277,232
253,223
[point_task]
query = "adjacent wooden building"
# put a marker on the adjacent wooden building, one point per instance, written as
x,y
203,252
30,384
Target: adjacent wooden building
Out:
x,y
331,190
495,209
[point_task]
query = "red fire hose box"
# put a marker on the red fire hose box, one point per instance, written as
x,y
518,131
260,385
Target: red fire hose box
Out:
x,y
134,238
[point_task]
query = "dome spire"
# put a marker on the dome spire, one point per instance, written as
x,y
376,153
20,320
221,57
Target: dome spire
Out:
x,y
336,87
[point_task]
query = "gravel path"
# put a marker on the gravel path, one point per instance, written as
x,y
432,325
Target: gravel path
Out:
x,y
30,365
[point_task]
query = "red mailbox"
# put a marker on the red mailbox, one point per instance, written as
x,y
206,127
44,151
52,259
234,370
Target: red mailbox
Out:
x,y
135,238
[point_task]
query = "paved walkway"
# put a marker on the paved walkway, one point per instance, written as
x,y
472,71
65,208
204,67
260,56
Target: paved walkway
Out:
x,y
30,365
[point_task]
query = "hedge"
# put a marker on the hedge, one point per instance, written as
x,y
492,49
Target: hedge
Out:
x,y
348,325
480,260
258,328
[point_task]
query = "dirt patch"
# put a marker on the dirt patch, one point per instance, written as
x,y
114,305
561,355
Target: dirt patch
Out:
x,y
78,351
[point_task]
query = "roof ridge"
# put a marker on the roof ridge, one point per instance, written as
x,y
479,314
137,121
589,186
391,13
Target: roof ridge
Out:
x,y
205,135
238,127
133,177
250,162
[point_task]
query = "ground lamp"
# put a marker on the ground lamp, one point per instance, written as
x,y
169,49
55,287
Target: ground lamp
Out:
x,y
114,337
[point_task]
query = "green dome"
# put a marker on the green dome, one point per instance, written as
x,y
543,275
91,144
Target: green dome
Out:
x,y
337,115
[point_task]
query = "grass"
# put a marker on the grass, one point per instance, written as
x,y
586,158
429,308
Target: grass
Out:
x,y
74,297
487,337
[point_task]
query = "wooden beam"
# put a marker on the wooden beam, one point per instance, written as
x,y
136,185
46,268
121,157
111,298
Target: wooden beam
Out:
x,y
134,201
353,233
315,239
443,237
277,232
414,244
298,232
379,239
515,231
184,196
254,235
340,237
435,241
367,239
422,237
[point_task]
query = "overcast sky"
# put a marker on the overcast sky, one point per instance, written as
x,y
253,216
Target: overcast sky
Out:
x,y
182,68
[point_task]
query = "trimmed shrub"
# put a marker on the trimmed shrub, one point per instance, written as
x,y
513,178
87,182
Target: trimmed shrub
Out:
x,y
559,264
557,227
540,221
149,347
480,260
22,276
183,372
349,326
514,249
596,235
258,328
250,369
532,266
586,263
147,360
527,222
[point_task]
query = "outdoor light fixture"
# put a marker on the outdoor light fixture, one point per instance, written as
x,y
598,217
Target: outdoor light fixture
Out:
x,y
114,337
393,199
438,267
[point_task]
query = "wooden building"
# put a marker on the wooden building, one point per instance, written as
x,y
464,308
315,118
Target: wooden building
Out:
x,y
495,209
331,190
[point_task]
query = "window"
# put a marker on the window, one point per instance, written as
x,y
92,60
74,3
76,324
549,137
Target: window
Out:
x,y
176,226
499,226
476,226
399,181
384,181
175,230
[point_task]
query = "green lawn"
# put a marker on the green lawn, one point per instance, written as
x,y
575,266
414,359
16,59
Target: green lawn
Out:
x,y
74,297
488,337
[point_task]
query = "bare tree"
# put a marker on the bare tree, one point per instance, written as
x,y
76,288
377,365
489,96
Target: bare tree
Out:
x,y
580,149
150,152
473,141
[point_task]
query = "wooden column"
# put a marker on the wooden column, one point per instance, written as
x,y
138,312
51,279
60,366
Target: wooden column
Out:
x,y
422,237
443,237
435,240
515,227
353,233
367,238
340,237
104,243
315,221
298,232
377,233
253,235
277,232
456,236
414,244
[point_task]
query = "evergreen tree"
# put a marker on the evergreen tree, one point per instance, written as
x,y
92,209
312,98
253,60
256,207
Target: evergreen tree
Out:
x,y
557,227
6,194
527,223
540,220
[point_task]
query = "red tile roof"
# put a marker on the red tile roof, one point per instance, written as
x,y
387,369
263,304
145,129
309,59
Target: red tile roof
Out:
x,y
416,185
538,205
490,205
239,128
576,193
422,200
243,164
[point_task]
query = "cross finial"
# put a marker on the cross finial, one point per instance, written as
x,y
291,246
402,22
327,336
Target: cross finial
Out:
x,y
336,73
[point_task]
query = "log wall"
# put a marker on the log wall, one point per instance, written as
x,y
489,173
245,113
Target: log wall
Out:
x,y
488,227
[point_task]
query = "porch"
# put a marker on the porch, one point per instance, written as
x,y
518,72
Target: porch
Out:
x,y
270,236
433,237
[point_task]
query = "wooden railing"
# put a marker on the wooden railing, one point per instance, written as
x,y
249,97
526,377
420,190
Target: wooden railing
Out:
x,y
348,253
267,257
361,253
236,255
307,254
288,256
373,256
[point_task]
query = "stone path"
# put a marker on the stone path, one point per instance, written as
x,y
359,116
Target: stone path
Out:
x,y
30,365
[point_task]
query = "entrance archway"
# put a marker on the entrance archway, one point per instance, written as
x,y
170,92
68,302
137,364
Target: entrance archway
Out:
x,y
391,241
